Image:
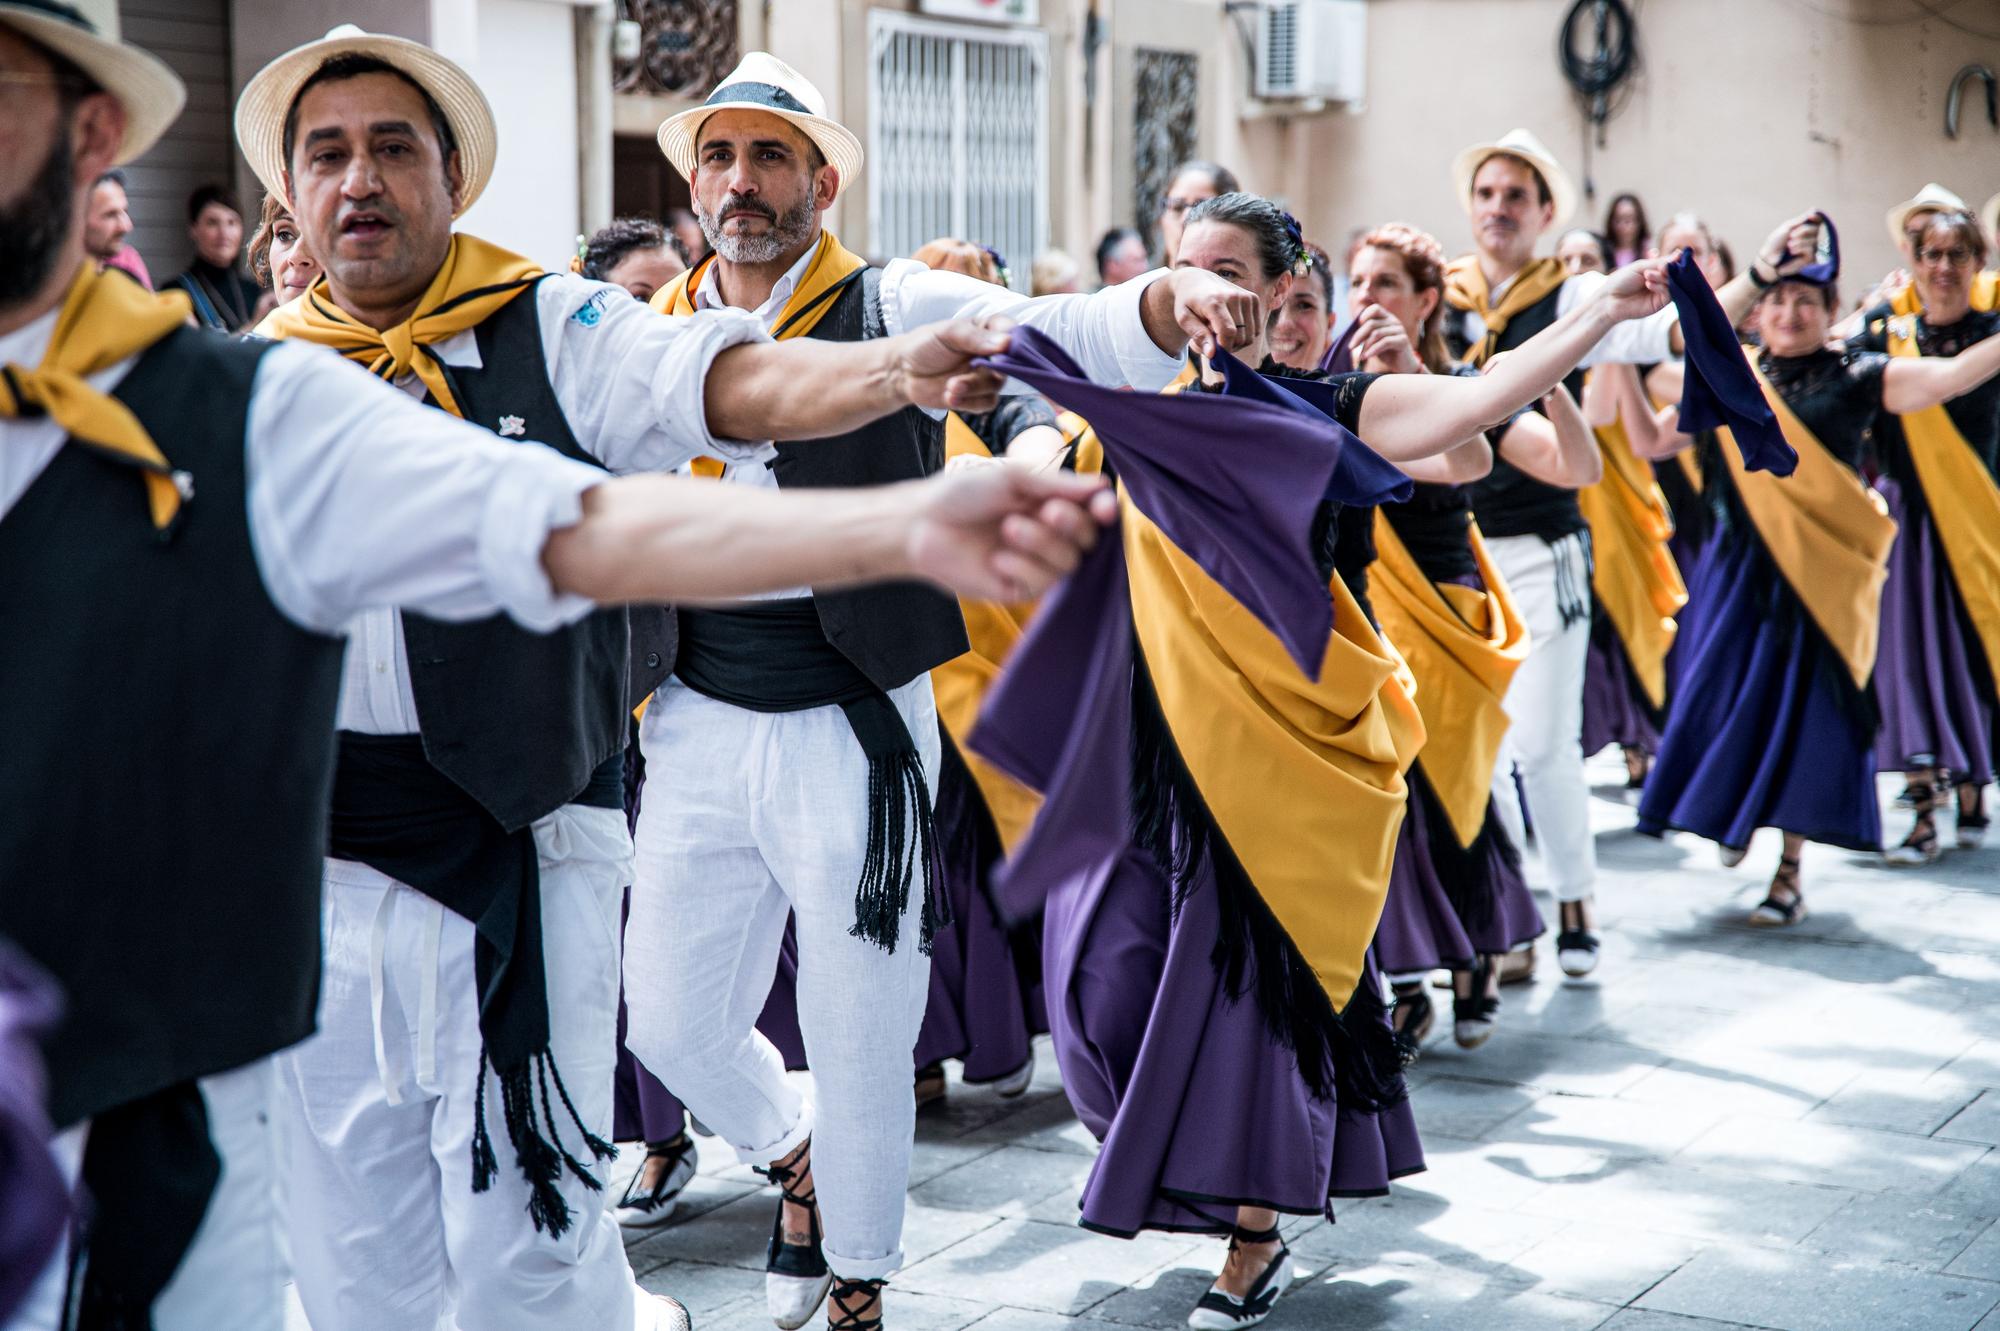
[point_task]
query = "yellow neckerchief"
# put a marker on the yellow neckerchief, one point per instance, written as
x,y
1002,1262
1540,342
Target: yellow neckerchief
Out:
x,y
1633,572
104,320
993,628
1465,289
1985,295
475,280
1963,500
1828,534
1305,778
1463,645
819,287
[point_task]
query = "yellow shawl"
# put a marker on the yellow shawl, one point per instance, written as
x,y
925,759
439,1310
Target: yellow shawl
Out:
x,y
1463,645
1465,288
1963,500
1633,571
474,282
1828,533
1305,779
104,319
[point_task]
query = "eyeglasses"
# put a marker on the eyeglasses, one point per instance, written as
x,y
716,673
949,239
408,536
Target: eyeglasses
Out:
x,y
1957,256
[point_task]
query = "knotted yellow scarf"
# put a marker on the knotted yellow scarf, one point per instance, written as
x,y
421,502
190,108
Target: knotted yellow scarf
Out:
x,y
1633,571
1463,645
1985,295
475,280
1963,499
104,319
832,264
1828,534
1465,289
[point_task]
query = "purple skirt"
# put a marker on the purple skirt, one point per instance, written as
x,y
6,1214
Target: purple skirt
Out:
x,y
1615,707
985,1001
1767,731
1931,667
1444,909
1199,1110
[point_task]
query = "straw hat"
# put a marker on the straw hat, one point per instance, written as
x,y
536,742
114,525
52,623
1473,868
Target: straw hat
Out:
x,y
1518,143
268,98
1989,217
1932,198
86,34
765,83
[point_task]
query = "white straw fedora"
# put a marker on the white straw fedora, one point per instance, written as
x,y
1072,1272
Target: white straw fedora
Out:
x,y
1518,143
1989,217
268,98
765,83
1932,198
86,35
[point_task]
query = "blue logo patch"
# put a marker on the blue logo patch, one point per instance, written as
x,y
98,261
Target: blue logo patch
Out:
x,y
591,311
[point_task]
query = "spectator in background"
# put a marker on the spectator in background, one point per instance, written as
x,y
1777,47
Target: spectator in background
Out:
x,y
1626,229
106,224
636,253
1121,254
1686,231
225,297
1054,273
687,227
278,260
1191,182
1582,250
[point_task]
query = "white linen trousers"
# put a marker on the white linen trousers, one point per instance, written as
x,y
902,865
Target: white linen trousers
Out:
x,y
386,1232
747,816
1545,704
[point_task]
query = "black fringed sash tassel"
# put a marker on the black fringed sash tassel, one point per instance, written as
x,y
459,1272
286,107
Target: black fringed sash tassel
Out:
x,y
395,812
773,656
1350,1055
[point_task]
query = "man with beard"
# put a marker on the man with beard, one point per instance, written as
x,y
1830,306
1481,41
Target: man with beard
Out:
x,y
1515,192
467,1030
203,515
827,697
107,220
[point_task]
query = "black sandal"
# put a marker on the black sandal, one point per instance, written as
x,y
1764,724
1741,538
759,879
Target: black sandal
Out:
x,y
796,1278
840,1317
1771,913
1922,846
1411,1021
1218,1311
1576,947
1473,1015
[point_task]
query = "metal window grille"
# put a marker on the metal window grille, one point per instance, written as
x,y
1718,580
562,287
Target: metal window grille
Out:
x,y
958,141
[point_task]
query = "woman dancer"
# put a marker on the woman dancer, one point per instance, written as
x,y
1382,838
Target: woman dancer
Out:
x,y
636,253
1196,1041
1775,724
1941,606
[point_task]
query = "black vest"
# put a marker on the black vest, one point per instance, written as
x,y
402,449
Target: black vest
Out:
x,y
519,720
896,631
168,741
1508,501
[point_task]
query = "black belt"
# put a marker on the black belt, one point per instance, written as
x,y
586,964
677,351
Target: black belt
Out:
x,y
397,814
773,656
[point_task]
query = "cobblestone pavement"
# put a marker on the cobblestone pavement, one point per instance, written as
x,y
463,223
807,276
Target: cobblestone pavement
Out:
x,y
1791,1130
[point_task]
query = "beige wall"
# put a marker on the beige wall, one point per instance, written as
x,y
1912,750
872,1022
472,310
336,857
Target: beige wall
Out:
x,y
1744,111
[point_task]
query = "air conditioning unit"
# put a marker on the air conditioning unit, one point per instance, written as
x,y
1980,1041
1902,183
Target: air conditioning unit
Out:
x,y
1312,50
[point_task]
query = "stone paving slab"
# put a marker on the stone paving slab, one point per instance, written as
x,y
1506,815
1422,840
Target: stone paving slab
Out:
x,y
1803,1292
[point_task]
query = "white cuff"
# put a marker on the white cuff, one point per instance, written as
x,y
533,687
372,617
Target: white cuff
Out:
x,y
539,493
1146,367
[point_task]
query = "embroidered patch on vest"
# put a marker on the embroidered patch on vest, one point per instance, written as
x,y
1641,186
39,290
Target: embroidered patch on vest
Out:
x,y
512,427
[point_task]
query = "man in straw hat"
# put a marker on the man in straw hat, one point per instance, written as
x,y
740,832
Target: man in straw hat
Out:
x,y
1515,192
227,507
827,697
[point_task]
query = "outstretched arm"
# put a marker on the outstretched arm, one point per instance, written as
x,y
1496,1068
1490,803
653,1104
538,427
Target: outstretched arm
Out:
x,y
1912,383
997,533
1408,416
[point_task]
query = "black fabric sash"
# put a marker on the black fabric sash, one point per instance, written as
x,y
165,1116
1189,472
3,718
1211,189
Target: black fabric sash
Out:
x,y
773,656
397,814
149,1168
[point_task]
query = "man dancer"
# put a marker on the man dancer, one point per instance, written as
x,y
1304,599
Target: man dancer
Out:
x,y
230,506
478,848
1515,192
797,744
